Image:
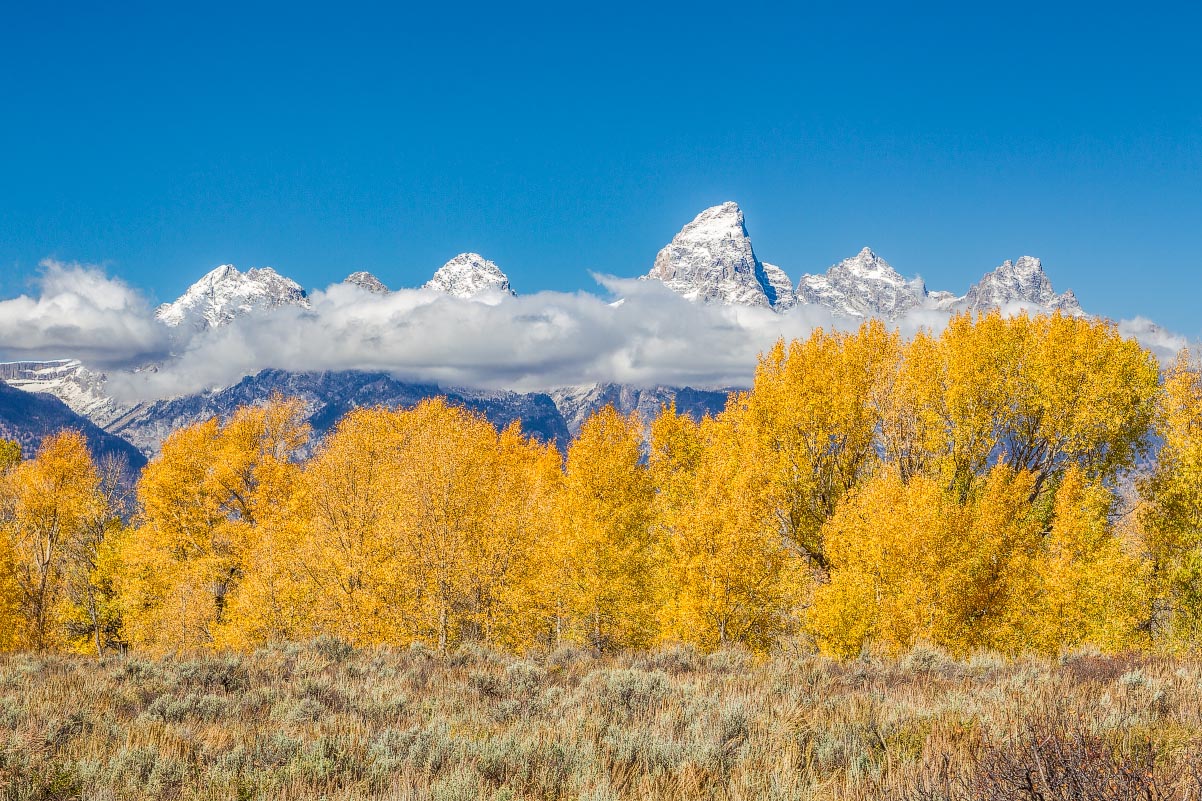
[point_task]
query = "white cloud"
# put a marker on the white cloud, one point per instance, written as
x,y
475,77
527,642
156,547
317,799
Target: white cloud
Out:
x,y
81,313
1165,345
529,342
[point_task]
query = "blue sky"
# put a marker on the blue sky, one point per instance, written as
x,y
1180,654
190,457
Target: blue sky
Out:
x,y
161,139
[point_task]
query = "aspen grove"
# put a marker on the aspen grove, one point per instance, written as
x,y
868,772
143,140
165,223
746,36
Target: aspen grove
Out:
x,y
1012,484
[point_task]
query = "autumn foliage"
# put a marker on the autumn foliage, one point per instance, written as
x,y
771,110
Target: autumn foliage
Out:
x,y
1023,484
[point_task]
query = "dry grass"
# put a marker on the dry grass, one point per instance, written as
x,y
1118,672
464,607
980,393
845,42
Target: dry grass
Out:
x,y
324,721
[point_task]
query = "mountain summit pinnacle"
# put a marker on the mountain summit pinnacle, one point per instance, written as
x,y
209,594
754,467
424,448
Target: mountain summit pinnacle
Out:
x,y
469,275
711,260
225,293
365,280
1022,282
863,285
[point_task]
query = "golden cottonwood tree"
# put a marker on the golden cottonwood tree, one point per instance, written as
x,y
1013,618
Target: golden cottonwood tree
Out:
x,y
10,454
10,605
93,618
1092,590
607,551
910,563
202,503
52,504
1039,394
728,575
813,404
1171,514
420,525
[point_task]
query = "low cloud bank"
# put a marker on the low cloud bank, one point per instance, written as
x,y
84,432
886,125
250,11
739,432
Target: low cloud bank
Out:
x,y
530,342
81,313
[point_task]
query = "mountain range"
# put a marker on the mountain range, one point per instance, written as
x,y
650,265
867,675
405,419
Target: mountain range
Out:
x,y
710,261
28,417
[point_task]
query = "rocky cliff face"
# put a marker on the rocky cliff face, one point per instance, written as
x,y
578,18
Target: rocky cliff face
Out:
x,y
365,280
576,404
711,261
863,286
1017,283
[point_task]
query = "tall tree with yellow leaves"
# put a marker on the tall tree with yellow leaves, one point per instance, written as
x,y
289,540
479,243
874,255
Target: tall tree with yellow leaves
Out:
x,y
1092,589
729,577
52,503
814,404
420,525
10,454
1039,394
911,563
10,605
1170,516
607,551
202,503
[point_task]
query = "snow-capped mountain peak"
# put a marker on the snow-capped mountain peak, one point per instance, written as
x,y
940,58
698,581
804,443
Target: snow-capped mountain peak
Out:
x,y
711,260
225,293
1023,283
365,280
469,275
779,287
863,285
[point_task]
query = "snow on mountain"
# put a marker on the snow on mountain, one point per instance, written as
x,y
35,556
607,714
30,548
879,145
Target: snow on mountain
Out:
x,y
576,404
470,275
862,286
711,260
365,280
780,288
1017,283
29,417
81,389
327,396
226,293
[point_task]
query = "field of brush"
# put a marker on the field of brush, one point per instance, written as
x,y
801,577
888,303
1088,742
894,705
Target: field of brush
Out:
x,y
322,720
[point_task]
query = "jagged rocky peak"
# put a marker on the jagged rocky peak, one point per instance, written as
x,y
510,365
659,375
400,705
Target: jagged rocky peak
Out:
x,y
365,280
469,275
225,293
711,260
779,288
864,285
1018,283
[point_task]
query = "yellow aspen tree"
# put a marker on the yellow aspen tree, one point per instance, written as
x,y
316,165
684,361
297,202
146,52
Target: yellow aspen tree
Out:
x,y
884,545
914,422
813,404
10,454
10,605
348,548
990,582
1092,590
425,525
1090,399
912,563
607,549
53,500
1041,394
1170,516
93,620
729,577
512,607
202,502
448,481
